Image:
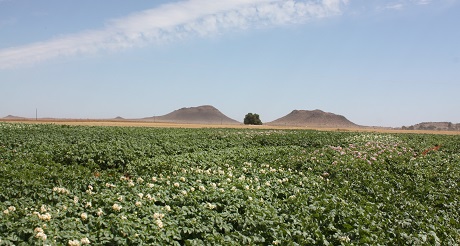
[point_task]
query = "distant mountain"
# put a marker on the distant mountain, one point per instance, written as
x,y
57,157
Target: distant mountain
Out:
x,y
313,118
12,117
436,126
195,115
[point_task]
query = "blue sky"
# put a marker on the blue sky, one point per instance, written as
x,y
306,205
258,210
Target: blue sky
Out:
x,y
383,63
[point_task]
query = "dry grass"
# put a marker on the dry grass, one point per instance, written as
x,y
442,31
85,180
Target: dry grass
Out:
x,y
128,123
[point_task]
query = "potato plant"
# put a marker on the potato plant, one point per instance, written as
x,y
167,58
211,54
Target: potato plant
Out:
x,y
76,185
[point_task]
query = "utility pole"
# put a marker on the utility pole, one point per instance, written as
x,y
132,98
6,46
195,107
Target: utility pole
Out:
x,y
36,114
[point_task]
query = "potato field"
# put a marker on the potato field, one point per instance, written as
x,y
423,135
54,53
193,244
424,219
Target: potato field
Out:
x,y
79,185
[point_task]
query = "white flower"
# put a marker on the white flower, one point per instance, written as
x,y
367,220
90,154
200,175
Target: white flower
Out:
x,y
99,212
41,235
6,211
150,185
84,216
75,200
116,207
123,217
138,204
85,240
176,184
140,195
130,183
192,189
45,217
140,180
120,198
213,185
158,216
159,223
154,179
182,179
88,205
201,188
210,205
61,190
38,229
90,187
74,243
184,192
267,183
109,185
246,187
167,208
43,208
345,239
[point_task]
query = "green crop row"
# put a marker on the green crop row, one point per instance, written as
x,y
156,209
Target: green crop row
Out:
x,y
72,185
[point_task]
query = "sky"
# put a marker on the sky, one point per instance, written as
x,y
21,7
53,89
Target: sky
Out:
x,y
376,62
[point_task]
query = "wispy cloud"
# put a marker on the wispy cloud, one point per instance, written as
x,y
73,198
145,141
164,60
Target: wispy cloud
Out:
x,y
422,2
394,6
404,4
172,22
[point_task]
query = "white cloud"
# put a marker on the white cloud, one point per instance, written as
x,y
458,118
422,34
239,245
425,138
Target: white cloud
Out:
x,y
422,2
404,4
394,6
171,22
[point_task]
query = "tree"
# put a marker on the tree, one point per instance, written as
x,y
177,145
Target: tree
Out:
x,y
252,119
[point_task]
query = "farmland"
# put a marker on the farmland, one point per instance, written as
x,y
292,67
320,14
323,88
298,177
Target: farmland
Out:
x,y
77,185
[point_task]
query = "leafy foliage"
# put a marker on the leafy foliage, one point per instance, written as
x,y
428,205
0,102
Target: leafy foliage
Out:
x,y
252,119
129,186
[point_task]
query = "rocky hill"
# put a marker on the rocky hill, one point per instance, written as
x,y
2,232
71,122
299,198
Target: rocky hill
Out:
x,y
313,118
195,115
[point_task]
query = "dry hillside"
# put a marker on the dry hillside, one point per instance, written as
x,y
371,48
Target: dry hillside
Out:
x,y
195,115
313,118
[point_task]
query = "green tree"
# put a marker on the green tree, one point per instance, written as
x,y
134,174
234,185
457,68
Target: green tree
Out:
x,y
252,119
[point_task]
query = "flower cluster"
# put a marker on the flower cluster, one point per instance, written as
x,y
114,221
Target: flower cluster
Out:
x,y
9,209
158,219
44,217
40,233
61,190
116,207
